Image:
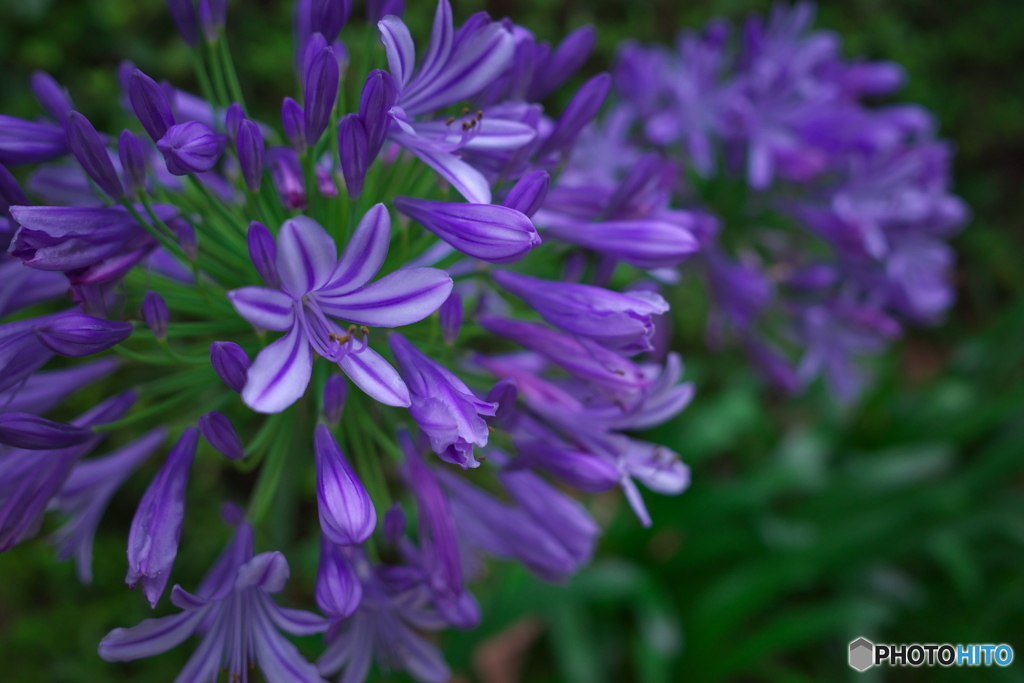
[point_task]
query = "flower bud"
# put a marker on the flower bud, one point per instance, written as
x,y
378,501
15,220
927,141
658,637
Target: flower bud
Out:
x,y
151,105
347,516
78,334
190,147
263,252
504,393
338,589
156,528
212,17
378,97
292,118
580,111
352,153
11,193
394,524
249,145
328,17
529,193
155,313
233,119
133,161
183,12
186,237
335,392
216,428
23,430
51,95
320,85
87,146
230,363
451,317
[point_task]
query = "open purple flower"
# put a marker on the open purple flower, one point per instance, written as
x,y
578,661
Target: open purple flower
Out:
x,y
237,617
316,289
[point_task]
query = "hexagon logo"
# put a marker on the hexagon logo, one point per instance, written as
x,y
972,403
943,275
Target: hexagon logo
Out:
x,y
862,653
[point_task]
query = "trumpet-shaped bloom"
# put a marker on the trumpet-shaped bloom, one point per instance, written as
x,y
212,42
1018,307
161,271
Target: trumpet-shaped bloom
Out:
x,y
316,289
237,617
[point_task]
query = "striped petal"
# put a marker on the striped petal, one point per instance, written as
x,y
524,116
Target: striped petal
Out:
x,y
280,374
270,309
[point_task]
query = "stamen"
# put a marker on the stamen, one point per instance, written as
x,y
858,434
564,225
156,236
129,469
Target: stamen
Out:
x,y
450,121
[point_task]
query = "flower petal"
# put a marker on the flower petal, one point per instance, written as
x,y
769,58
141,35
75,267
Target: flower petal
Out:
x,y
470,182
399,47
270,309
400,298
364,253
279,660
149,637
306,256
280,374
375,376
268,571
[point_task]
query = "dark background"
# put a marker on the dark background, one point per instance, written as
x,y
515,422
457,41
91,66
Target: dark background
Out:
x,y
900,519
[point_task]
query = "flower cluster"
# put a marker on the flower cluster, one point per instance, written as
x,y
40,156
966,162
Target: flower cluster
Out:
x,y
831,212
227,278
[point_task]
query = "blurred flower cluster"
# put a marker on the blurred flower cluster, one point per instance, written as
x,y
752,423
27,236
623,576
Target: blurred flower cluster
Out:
x,y
221,281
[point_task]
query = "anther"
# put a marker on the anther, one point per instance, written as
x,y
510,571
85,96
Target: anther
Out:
x,y
465,111
450,121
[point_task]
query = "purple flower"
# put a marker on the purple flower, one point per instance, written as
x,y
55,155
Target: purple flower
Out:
x,y
212,17
237,618
320,85
133,161
347,515
233,118
491,233
216,428
443,406
11,194
335,392
580,111
31,432
528,195
78,334
621,322
230,363
44,391
292,119
30,479
353,154
27,142
87,146
395,605
156,527
151,105
155,313
51,95
190,147
315,287
451,317
375,102
263,252
338,589
183,12
249,144
85,495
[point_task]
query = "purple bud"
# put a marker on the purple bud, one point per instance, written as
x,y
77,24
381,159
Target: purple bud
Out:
x,y
491,233
11,193
394,524
292,119
156,527
581,110
338,589
352,151
230,363
150,104
328,17
216,428
51,95
529,193
249,144
133,161
186,237
378,97
566,60
87,146
504,393
335,392
451,317
78,334
263,252
212,17
347,516
22,430
233,119
155,313
183,12
320,85
190,147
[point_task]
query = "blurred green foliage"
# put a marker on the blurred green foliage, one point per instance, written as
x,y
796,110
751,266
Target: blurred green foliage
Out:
x,y
900,519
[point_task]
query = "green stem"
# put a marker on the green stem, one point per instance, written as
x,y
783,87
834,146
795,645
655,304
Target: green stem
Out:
x,y
229,69
201,76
